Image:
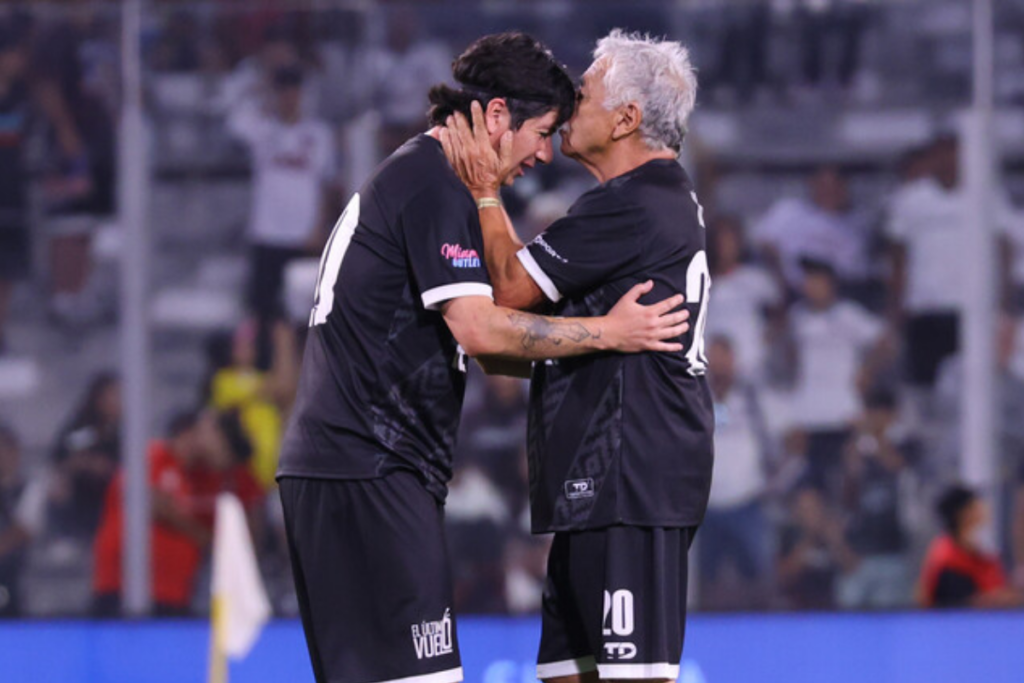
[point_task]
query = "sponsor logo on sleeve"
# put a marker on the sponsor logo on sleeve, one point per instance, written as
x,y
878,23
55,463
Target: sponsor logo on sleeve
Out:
x,y
542,243
433,638
460,257
579,488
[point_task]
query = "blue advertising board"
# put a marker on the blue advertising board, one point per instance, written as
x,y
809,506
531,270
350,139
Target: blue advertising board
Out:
x,y
782,648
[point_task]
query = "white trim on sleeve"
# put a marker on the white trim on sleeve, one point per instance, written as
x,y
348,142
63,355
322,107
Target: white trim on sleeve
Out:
x,y
663,670
538,275
566,667
433,298
447,676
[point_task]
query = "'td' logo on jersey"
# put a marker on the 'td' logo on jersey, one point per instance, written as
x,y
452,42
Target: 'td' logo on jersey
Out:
x,y
460,257
579,488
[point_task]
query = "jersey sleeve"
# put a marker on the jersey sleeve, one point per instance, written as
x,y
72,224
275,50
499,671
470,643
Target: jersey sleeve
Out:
x,y
596,241
445,246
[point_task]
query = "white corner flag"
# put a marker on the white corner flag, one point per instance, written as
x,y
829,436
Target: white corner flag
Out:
x,y
239,603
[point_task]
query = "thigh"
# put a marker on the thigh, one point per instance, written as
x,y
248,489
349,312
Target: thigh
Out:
x,y
628,585
373,579
565,655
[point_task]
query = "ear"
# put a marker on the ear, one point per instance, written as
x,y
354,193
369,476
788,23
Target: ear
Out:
x,y
497,117
627,121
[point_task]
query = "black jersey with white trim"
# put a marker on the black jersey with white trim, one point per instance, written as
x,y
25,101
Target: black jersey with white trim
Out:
x,y
614,438
382,377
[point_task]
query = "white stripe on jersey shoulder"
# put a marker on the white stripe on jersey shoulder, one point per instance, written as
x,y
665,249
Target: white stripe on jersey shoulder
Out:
x,y
447,676
638,671
538,275
566,667
433,298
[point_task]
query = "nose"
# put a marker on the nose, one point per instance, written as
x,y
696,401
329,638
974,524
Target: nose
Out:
x,y
545,153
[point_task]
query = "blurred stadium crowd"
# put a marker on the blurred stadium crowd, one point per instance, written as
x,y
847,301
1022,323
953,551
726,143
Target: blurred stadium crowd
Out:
x,y
826,155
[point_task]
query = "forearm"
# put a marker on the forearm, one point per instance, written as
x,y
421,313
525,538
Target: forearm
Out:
x,y
513,286
527,336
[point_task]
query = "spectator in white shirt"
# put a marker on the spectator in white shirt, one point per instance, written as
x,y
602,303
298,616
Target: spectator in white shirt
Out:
x,y
735,547
838,347
293,163
822,226
929,228
402,74
747,298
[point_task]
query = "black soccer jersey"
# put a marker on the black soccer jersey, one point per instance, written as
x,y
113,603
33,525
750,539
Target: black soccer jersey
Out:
x,y
617,438
382,377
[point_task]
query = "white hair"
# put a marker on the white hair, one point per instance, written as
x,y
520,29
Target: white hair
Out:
x,y
655,74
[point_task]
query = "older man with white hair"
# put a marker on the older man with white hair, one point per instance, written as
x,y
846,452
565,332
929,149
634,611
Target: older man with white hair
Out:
x,y
620,446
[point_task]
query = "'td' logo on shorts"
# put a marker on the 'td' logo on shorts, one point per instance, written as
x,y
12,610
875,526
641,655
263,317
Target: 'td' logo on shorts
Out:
x,y
579,488
433,638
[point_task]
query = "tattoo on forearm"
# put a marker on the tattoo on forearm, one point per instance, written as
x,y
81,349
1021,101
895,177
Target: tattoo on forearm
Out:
x,y
537,329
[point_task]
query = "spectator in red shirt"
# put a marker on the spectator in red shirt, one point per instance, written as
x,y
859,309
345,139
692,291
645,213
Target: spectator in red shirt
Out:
x,y
178,534
225,469
957,571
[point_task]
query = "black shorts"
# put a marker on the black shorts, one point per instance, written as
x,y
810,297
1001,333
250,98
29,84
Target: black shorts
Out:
x,y
615,600
266,278
373,580
931,339
15,252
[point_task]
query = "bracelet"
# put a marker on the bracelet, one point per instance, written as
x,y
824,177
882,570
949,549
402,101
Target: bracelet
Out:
x,y
487,202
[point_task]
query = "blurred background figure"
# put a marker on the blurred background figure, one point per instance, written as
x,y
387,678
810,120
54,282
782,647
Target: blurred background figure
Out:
x,y
823,226
961,570
749,299
85,458
736,539
403,70
262,398
178,534
22,518
813,553
15,106
74,69
838,349
293,164
876,463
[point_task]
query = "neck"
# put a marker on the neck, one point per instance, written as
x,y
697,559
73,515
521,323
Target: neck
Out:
x,y
619,161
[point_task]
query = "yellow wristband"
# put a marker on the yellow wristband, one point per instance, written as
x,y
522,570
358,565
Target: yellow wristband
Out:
x,y
486,202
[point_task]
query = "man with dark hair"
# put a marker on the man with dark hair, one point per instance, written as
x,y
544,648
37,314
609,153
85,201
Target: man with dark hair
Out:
x,y
403,296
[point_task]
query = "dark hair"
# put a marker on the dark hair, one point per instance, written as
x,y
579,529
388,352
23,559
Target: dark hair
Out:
x,y
87,413
231,426
880,398
183,421
819,266
290,76
512,66
952,503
